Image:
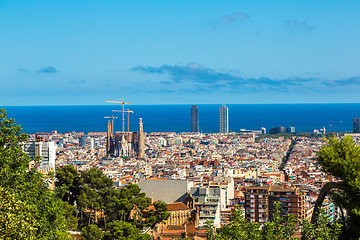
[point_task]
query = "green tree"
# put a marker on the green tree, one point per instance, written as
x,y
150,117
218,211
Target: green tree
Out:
x,y
116,208
341,158
118,204
321,229
94,185
210,234
239,228
159,215
16,220
95,179
119,230
68,183
279,227
133,194
14,162
91,232
92,191
26,188
70,216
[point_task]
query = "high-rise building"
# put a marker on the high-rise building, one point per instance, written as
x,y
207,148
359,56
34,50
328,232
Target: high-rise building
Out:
x,y
194,119
224,119
46,150
277,130
356,125
263,130
290,129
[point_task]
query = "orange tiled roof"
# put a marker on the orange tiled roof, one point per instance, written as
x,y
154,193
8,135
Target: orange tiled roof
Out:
x,y
177,206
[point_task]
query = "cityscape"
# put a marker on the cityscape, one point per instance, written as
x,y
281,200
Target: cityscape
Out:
x,y
201,176
187,120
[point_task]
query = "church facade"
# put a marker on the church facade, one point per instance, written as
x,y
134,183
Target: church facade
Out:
x,y
126,144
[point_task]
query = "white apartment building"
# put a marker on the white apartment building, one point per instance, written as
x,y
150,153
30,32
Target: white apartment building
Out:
x,y
212,197
46,150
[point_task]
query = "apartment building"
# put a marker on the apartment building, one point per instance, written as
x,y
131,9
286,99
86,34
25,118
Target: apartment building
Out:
x,y
259,202
46,150
212,197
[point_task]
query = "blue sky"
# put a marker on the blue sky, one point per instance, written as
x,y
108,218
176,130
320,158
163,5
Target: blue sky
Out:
x,y
80,52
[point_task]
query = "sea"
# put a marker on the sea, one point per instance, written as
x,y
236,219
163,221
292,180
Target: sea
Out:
x,y
335,117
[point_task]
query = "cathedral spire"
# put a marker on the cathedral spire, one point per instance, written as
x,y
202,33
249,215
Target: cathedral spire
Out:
x,y
141,148
108,139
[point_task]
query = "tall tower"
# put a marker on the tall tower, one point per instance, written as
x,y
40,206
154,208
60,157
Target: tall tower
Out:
x,y
356,125
224,119
141,148
109,137
194,119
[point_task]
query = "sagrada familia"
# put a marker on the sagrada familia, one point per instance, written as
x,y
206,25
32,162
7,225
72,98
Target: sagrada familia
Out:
x,y
126,144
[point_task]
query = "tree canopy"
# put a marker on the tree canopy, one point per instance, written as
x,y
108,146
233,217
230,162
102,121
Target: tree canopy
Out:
x,y
92,193
29,210
123,231
279,226
91,232
341,158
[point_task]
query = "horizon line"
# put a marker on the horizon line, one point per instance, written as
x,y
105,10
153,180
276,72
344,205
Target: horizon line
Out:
x,y
169,104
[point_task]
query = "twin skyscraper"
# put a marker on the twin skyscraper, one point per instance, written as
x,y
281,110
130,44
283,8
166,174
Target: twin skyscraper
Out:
x,y
224,119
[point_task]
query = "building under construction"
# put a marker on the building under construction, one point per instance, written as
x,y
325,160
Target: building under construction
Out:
x,y
125,144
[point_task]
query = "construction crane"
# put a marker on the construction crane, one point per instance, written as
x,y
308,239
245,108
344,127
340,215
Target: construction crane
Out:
x,y
128,112
123,111
112,126
128,115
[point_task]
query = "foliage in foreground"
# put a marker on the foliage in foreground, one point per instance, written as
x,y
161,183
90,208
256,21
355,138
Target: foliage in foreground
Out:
x,y
91,232
279,227
123,230
321,229
341,158
28,209
92,191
